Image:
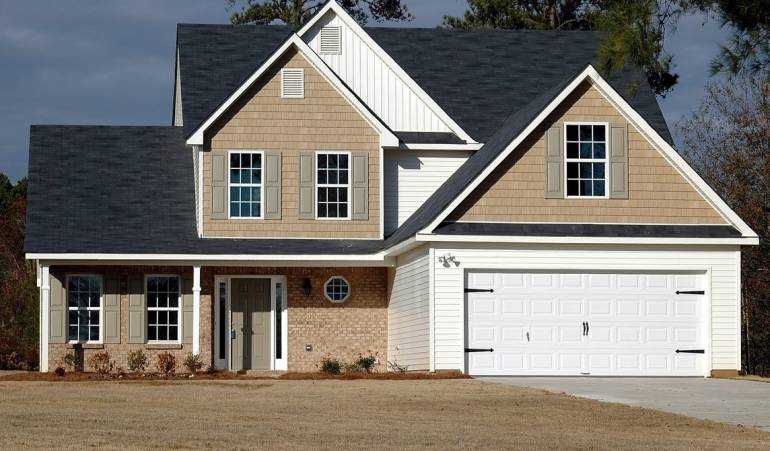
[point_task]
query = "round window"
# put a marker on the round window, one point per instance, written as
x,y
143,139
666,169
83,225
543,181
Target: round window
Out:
x,y
337,289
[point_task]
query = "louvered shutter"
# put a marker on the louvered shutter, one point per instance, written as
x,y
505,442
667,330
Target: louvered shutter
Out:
x,y
618,161
554,163
293,83
360,186
306,204
137,310
272,185
112,308
219,187
57,311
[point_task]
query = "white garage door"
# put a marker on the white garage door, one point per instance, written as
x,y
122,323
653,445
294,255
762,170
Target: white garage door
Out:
x,y
597,323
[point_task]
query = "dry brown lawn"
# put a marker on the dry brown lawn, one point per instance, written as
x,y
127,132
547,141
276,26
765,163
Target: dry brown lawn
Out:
x,y
362,414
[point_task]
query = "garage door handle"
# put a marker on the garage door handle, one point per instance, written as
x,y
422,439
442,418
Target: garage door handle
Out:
x,y
479,290
690,351
479,350
691,292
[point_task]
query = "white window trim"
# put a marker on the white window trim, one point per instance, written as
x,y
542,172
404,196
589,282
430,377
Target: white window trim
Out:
x,y
293,69
341,301
261,185
178,309
605,160
328,185
101,309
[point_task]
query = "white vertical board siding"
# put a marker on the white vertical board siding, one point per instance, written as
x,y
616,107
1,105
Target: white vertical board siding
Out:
x,y
408,316
721,265
374,82
411,176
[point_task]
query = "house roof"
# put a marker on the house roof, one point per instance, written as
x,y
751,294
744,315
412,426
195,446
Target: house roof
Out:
x,y
462,70
588,230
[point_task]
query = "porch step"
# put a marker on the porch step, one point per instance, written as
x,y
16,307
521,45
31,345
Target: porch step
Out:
x,y
265,373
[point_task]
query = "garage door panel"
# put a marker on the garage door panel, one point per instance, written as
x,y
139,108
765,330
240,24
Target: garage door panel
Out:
x,y
534,322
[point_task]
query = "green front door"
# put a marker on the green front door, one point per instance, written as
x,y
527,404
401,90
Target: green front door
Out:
x,y
250,343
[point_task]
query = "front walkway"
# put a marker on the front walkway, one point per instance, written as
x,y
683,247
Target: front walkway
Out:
x,y
730,401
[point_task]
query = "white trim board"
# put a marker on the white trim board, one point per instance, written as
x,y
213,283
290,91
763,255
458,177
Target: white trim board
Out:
x,y
429,237
387,137
590,74
332,6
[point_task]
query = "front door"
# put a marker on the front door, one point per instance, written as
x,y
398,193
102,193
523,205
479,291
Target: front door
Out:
x,y
250,340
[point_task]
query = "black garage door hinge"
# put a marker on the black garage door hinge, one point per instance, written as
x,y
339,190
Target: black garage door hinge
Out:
x,y
690,351
479,350
691,292
479,290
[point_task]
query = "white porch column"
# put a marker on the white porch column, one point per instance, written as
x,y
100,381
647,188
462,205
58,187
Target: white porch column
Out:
x,y
45,306
196,335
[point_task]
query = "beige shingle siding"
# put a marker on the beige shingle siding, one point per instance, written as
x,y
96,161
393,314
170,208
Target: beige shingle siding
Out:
x,y
658,194
323,120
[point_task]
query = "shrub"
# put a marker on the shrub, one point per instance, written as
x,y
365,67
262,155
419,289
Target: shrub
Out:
x,y
59,371
72,361
397,367
193,362
166,363
101,363
137,361
366,363
331,365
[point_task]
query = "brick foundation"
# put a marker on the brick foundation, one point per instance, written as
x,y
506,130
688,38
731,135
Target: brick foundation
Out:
x,y
343,331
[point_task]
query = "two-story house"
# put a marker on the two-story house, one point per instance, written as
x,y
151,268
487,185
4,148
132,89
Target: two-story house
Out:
x,y
482,201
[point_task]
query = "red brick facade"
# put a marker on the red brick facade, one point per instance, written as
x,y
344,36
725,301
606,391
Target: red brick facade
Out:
x,y
343,331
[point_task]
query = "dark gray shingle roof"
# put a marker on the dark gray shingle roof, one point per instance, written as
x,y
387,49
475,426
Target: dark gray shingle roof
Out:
x,y
592,230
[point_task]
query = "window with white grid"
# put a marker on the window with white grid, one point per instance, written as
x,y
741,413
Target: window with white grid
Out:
x,y
586,160
337,289
84,308
245,185
333,185
163,308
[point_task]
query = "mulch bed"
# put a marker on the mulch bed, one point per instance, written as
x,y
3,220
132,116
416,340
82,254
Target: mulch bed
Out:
x,y
229,375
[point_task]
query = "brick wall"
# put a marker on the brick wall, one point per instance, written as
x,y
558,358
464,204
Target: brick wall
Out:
x,y
358,326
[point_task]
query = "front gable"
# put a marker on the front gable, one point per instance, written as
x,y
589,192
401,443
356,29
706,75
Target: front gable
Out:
x,y
657,192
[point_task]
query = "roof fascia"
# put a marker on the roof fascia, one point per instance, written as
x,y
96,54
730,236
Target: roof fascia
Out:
x,y
590,74
429,237
332,5
387,137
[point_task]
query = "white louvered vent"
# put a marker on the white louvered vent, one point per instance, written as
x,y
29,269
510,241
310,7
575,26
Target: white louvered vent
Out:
x,y
293,83
331,40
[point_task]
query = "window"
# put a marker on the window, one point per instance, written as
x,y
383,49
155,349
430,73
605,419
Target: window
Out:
x,y
84,308
331,41
293,83
337,289
245,185
333,187
586,160
163,308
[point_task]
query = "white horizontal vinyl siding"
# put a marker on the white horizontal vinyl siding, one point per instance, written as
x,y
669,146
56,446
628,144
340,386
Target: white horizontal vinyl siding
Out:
x,y
374,82
722,266
411,176
408,314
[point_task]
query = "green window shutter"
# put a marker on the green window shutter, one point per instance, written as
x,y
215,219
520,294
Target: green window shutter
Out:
x,y
137,310
111,309
618,161
554,163
306,201
272,185
360,186
187,311
219,187
57,311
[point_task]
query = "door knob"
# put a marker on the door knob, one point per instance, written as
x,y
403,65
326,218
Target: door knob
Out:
x,y
232,334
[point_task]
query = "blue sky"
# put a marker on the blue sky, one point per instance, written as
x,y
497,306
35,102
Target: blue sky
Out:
x,y
111,62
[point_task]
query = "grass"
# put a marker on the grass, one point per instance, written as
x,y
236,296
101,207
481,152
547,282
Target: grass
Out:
x,y
333,414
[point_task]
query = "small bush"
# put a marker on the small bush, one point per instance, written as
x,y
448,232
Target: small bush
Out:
x,y
353,368
72,361
137,361
331,365
101,363
59,371
193,362
366,363
166,364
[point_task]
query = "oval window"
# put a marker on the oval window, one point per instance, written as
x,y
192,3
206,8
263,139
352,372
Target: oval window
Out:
x,y
337,289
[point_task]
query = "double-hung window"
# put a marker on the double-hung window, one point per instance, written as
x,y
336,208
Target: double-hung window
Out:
x,y
163,308
84,309
586,160
333,185
245,184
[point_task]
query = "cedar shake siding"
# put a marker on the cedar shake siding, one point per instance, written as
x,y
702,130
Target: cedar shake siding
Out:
x,y
321,121
344,331
657,193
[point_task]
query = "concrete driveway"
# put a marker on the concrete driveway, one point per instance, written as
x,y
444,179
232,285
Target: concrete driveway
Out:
x,y
729,401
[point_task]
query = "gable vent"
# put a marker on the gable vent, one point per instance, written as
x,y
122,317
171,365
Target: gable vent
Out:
x,y
293,83
331,40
